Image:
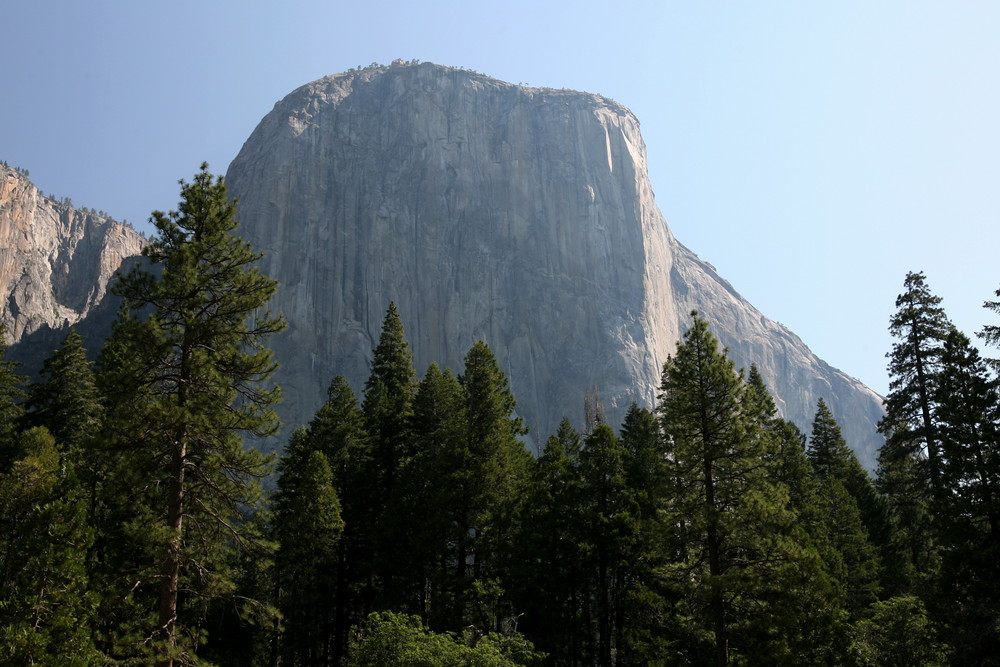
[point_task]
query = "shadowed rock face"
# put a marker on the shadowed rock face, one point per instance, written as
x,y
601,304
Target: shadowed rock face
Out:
x,y
520,216
55,260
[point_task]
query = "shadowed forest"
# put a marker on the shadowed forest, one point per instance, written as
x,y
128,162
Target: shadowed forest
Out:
x,y
408,524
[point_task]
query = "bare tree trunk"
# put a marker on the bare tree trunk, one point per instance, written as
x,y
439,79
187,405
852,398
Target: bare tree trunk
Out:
x,y
172,549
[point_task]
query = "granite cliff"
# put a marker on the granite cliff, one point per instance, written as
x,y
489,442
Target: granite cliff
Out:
x,y
55,260
485,210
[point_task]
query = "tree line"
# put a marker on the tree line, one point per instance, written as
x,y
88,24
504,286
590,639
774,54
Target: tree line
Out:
x,y
410,525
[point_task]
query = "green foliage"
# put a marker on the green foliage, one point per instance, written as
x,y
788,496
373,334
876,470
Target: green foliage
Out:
x,y
899,634
388,402
751,578
838,471
11,410
550,584
337,431
424,513
968,512
184,372
67,401
396,639
920,327
990,333
46,609
491,469
308,526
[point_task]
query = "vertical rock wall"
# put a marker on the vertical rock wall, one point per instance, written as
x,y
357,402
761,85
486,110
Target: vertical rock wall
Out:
x,y
55,261
523,217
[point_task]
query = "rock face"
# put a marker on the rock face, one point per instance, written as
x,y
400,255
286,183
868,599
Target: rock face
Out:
x,y
485,210
55,260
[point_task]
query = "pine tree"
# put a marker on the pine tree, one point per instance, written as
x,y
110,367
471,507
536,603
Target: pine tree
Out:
x,y
990,333
337,430
46,609
67,401
739,549
648,625
11,409
388,402
921,326
806,595
837,470
492,467
610,525
422,511
308,526
186,367
969,412
387,409
968,514
909,548
549,588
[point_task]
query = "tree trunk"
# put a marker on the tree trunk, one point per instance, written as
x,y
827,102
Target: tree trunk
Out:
x,y
716,602
172,549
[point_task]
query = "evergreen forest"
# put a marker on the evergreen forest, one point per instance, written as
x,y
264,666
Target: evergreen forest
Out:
x,y
408,523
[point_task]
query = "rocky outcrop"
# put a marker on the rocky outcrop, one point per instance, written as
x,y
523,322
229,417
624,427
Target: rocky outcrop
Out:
x,y
485,210
55,260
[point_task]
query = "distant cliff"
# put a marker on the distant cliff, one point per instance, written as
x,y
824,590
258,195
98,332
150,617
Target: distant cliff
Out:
x,y
55,260
521,216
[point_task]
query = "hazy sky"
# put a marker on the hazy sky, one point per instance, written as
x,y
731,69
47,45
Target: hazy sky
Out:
x,y
813,152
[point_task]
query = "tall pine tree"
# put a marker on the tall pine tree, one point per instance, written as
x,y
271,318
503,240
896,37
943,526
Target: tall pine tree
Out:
x,y
186,368
968,512
920,327
746,571
308,526
337,431
492,468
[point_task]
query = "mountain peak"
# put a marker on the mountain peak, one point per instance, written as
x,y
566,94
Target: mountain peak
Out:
x,y
487,210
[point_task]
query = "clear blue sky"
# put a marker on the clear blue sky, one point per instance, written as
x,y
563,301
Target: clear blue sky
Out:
x,y
813,152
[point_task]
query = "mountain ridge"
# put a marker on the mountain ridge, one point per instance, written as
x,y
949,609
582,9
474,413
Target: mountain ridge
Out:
x,y
55,260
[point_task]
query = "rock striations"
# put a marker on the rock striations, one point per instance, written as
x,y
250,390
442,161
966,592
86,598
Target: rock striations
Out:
x,y
485,210
55,261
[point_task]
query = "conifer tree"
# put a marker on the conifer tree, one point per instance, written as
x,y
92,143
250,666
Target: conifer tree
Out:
x,y
549,589
648,625
422,510
67,401
11,409
388,402
46,609
647,467
185,369
836,467
492,467
968,514
308,526
739,549
337,430
609,526
920,327
387,409
990,333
